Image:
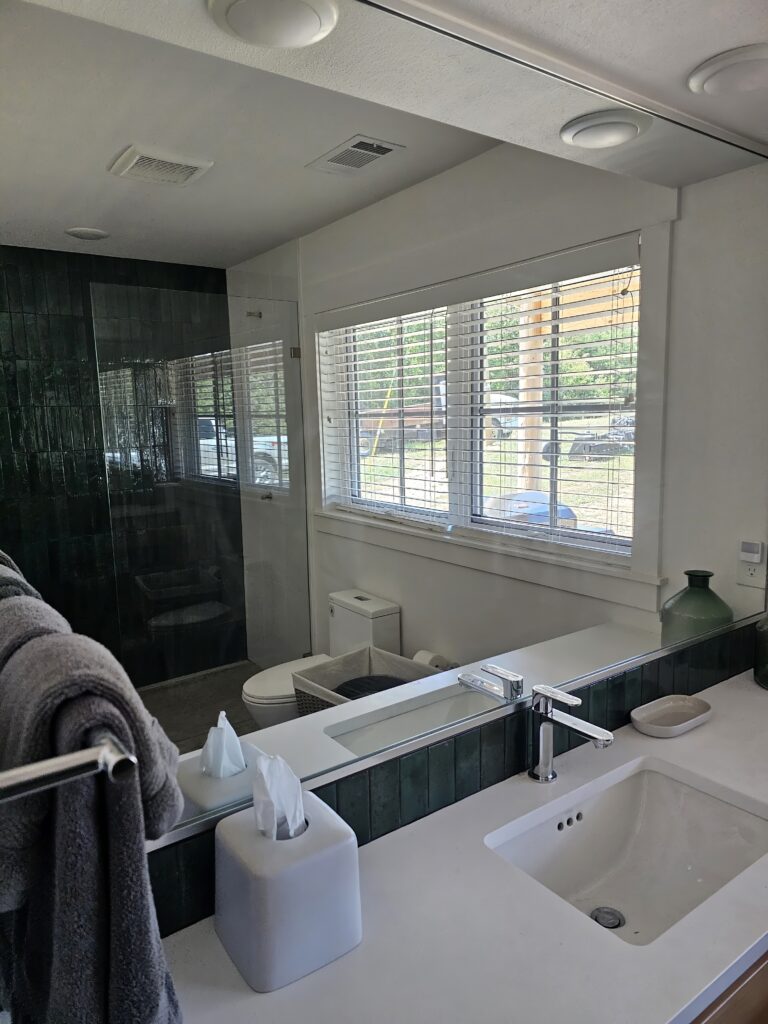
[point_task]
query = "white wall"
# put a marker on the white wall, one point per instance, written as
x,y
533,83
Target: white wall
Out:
x,y
463,613
716,479
508,204
511,204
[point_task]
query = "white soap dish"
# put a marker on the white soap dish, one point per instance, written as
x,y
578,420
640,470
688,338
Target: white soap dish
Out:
x,y
671,716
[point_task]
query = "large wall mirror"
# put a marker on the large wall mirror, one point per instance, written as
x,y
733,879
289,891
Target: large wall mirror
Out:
x,y
434,352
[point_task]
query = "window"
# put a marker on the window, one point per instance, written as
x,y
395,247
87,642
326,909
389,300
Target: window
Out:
x,y
204,423
387,380
222,398
260,386
512,413
134,405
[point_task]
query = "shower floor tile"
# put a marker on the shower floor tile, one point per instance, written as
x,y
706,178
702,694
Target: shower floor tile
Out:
x,y
188,706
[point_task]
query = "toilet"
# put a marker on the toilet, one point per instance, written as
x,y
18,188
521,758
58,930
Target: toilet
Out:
x,y
355,619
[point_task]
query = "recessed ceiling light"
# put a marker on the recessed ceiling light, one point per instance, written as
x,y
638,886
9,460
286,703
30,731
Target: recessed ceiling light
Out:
x,y
87,234
286,24
605,128
744,69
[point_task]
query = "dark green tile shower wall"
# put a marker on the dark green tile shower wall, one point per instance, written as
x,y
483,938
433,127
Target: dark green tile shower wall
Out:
x,y
55,514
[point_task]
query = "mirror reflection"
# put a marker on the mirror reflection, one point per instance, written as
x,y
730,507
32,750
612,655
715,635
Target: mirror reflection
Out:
x,y
348,412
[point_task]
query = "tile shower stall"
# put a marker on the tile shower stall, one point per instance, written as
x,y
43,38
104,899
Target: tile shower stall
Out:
x,y
120,472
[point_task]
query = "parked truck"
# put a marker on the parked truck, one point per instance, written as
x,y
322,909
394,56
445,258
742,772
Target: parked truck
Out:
x,y
384,428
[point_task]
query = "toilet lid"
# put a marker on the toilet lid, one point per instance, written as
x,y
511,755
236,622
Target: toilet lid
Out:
x,y
275,685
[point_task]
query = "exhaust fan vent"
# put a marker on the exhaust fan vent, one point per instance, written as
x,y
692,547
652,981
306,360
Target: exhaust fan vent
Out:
x,y
354,154
158,168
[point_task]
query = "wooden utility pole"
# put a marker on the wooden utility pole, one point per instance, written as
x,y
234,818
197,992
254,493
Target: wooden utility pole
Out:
x,y
535,322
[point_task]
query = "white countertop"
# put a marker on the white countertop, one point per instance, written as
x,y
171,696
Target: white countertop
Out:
x,y
452,933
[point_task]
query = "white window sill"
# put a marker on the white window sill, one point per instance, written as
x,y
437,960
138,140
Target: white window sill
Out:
x,y
597,576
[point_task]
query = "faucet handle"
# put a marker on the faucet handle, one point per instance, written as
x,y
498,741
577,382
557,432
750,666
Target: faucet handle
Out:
x,y
513,681
545,696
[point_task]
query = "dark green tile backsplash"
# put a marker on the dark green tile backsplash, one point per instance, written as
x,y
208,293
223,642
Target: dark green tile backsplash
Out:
x,y
414,786
445,772
182,878
354,805
441,781
467,763
387,796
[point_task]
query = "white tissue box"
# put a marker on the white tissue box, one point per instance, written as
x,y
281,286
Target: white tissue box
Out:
x,y
203,793
286,907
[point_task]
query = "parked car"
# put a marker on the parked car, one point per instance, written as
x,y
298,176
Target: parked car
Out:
x,y
529,507
532,508
266,452
215,446
500,414
219,460
619,439
265,471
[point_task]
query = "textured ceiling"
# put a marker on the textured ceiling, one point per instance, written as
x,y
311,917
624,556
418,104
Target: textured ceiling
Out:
x,y
74,93
647,48
375,56
80,79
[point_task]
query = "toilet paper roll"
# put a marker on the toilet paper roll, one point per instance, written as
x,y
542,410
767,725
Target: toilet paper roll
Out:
x,y
431,659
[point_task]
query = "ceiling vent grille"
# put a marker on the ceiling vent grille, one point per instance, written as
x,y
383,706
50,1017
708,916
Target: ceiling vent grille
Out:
x,y
354,155
157,168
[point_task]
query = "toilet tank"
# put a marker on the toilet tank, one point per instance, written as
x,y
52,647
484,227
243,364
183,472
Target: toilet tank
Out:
x,y
357,619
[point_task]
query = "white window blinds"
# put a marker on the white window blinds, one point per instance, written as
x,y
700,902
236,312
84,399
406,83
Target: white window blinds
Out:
x,y
513,413
229,415
260,391
203,427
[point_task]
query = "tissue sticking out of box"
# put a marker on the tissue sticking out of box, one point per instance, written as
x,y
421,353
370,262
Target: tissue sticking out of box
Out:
x,y
278,804
222,755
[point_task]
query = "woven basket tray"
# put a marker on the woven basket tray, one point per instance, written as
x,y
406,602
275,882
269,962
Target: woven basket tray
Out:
x,y
316,686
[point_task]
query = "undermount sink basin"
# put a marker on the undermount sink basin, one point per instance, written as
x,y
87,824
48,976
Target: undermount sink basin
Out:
x,y
375,730
648,840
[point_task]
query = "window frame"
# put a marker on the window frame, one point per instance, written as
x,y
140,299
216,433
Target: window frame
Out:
x,y
245,417
531,543
351,469
557,409
185,435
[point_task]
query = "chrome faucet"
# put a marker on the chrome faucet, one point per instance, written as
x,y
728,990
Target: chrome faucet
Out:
x,y
545,715
509,687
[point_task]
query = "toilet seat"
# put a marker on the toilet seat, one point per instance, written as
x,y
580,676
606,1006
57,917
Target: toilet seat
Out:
x,y
269,695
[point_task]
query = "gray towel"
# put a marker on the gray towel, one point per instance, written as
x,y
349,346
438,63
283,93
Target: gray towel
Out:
x,y
9,563
24,618
13,584
77,919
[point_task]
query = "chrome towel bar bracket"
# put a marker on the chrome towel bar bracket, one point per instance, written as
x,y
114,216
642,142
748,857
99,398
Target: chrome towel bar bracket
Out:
x,y
107,756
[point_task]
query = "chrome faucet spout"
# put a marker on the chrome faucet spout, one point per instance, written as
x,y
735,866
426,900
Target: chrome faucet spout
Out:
x,y
542,706
600,738
508,686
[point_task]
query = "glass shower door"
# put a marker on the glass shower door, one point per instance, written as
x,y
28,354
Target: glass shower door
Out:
x,y
270,452
168,420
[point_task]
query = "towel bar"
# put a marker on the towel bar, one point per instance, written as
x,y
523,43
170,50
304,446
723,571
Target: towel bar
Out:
x,y
108,756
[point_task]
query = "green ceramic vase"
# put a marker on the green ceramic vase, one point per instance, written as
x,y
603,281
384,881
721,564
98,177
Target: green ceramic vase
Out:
x,y
761,653
693,611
